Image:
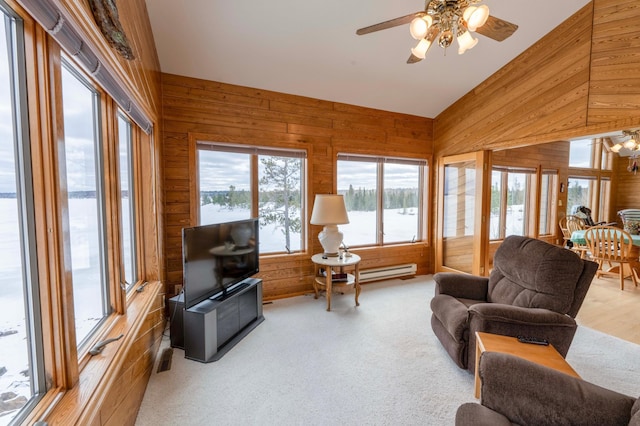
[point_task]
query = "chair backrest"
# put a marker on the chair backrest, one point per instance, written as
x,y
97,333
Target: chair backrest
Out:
x,y
608,243
532,273
574,223
563,227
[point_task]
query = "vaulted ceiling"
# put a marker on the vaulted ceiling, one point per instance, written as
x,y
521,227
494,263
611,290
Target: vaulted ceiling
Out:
x,y
310,48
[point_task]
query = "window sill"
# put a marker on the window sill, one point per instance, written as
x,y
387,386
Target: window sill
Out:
x,y
83,402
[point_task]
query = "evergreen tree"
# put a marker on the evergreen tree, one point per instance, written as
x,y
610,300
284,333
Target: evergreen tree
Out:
x,y
280,195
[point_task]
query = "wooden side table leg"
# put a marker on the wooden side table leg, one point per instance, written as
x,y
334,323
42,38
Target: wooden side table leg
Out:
x,y
328,286
315,284
357,284
477,375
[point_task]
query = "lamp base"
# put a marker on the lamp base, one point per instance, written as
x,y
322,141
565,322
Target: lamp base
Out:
x,y
330,239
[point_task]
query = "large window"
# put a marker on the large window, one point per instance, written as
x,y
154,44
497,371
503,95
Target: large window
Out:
x,y
548,197
21,351
239,182
589,154
589,183
384,198
84,169
127,202
512,202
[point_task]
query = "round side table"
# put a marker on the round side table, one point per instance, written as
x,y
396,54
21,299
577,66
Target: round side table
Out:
x,y
339,264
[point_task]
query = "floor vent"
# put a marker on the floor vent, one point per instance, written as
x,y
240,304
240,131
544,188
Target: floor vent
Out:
x,y
165,360
388,272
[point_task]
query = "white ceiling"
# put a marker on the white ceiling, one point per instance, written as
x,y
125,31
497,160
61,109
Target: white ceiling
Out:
x,y
310,48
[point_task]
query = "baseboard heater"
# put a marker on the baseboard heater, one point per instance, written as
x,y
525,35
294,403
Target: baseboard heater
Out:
x,y
388,272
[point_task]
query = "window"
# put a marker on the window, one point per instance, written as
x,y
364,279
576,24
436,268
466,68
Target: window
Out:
x,y
548,197
127,202
384,199
239,182
21,351
512,193
589,183
589,154
83,165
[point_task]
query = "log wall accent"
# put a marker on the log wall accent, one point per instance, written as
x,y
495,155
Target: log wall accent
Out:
x,y
206,110
581,79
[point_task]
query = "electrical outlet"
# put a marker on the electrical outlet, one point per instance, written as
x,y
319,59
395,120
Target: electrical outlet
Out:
x,y
177,289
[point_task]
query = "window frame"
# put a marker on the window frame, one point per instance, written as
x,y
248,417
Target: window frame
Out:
x,y
380,161
254,152
531,195
133,202
599,172
26,204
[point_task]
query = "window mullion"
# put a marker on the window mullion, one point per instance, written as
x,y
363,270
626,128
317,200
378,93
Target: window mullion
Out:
x,y
255,186
380,203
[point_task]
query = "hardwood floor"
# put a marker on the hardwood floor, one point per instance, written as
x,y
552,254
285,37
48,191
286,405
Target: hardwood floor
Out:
x,y
611,310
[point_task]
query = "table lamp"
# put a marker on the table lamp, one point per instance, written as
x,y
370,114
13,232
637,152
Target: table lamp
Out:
x,y
329,210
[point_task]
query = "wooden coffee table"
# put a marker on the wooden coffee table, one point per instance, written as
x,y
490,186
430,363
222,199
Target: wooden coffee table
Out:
x,y
543,355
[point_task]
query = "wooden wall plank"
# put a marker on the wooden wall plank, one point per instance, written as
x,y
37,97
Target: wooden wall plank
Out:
x,y
219,112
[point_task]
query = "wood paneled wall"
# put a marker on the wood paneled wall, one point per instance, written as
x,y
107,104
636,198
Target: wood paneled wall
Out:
x,y
111,386
581,79
614,86
220,112
140,76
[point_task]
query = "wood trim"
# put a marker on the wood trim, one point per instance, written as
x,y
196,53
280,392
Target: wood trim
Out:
x,y
82,404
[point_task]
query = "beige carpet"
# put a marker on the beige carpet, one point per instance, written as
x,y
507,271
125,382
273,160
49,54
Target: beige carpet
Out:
x,y
377,364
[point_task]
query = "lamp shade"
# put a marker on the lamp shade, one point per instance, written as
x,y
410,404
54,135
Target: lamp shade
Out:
x,y
329,209
466,42
476,16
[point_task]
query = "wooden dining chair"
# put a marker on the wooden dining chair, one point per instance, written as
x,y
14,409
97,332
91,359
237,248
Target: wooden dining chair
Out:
x,y
610,245
574,223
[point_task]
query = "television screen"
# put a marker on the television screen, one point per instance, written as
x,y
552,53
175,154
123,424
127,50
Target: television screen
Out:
x,y
216,257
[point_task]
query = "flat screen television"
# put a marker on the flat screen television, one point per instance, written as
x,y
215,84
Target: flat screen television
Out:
x,y
217,257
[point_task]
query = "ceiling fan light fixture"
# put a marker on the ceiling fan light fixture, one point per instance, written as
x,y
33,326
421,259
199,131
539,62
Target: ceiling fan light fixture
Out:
x,y
616,148
445,39
466,42
420,51
419,26
630,144
476,16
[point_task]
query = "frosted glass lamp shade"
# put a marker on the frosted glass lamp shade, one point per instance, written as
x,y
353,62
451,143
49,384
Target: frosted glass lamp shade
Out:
x,y
476,16
420,50
630,144
466,42
419,27
329,210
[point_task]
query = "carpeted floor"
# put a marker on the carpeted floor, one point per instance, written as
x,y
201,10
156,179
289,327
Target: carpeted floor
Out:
x,y
377,364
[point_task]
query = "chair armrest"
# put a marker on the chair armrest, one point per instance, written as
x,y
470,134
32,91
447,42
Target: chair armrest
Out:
x,y
530,394
472,414
461,285
498,312
508,320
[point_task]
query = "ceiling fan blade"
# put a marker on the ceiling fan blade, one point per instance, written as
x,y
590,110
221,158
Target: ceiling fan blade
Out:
x,y
497,29
413,59
390,23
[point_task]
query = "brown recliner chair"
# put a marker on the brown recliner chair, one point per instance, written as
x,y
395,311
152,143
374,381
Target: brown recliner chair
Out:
x,y
535,289
519,392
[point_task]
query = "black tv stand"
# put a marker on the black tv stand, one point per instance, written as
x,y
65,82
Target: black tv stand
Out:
x,y
212,327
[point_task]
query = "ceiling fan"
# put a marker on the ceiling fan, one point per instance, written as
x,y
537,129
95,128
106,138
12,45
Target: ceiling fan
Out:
x,y
445,20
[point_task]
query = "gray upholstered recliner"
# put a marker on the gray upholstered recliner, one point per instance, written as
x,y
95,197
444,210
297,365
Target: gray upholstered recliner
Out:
x,y
535,289
515,391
